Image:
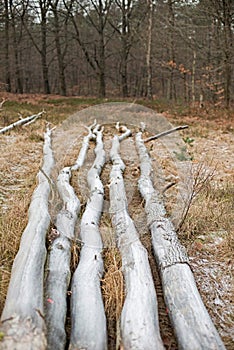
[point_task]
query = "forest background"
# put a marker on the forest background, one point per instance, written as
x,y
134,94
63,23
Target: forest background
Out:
x,y
177,50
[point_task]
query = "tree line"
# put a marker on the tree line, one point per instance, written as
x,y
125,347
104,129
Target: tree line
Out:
x,y
175,49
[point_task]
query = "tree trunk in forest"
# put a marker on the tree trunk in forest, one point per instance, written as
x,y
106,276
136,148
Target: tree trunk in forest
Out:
x,y
7,42
149,49
193,77
125,51
124,70
171,94
139,318
60,54
58,267
101,63
43,51
228,43
192,324
18,80
88,318
96,62
22,318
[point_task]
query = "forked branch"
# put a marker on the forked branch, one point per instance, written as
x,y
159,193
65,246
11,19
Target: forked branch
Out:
x,y
24,121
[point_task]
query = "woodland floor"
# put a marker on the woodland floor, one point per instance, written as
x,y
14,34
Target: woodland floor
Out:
x,y
203,152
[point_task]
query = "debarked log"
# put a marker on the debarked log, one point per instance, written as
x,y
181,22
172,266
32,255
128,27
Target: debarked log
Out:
x,y
88,318
192,324
58,270
24,121
22,318
58,266
139,318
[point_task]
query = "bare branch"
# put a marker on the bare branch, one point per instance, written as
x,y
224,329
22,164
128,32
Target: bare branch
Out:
x,y
164,133
23,121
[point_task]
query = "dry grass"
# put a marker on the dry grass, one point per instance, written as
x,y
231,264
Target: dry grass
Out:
x,y
212,212
12,225
113,284
113,293
20,161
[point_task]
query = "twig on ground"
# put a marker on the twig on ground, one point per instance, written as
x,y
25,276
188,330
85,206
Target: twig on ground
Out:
x,y
164,133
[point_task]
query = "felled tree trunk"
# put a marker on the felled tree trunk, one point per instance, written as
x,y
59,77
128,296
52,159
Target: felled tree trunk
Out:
x,y
22,317
139,318
58,273
87,310
24,121
192,324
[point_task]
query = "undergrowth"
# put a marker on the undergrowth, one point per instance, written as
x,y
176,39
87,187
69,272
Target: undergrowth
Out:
x,y
212,213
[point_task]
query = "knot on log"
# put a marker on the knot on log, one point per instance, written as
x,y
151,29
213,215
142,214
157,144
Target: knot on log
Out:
x,y
175,255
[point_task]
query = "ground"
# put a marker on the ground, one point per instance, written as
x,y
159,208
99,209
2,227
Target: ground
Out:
x,y
203,152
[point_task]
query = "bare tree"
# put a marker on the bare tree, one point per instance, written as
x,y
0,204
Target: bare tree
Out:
x,y
59,21
39,11
149,49
96,13
16,13
223,12
7,42
127,26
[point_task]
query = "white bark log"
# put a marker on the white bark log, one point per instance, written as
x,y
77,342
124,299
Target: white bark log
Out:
x,y
24,121
87,310
22,317
58,274
139,318
192,324
85,145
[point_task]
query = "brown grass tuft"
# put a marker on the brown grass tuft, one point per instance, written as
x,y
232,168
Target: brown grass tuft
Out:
x,y
113,283
12,225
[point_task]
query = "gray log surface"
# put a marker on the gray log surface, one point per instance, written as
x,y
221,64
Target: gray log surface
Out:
x,y
139,318
88,318
192,324
22,317
24,121
58,267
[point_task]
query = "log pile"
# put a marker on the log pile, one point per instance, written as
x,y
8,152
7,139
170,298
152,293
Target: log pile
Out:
x,y
36,308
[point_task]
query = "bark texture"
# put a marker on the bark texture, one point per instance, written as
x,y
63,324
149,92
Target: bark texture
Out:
x,y
22,317
192,324
139,318
87,310
59,274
